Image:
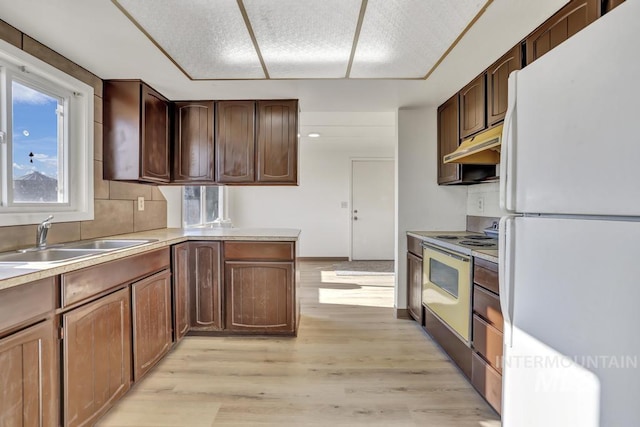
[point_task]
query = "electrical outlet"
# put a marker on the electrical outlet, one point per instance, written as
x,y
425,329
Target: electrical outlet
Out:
x,y
141,203
480,206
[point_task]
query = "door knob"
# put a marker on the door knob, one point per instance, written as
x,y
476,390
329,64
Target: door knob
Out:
x,y
355,211
355,218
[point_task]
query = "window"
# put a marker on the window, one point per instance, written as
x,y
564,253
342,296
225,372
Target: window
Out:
x,y
46,145
201,205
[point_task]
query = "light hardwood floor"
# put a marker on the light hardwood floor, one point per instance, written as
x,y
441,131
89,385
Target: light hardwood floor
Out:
x,y
352,364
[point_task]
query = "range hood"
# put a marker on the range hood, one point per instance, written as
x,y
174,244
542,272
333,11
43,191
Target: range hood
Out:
x,y
481,149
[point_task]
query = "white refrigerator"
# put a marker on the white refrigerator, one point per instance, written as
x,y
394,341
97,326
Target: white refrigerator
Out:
x,y
570,248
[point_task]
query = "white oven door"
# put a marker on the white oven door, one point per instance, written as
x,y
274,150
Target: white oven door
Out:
x,y
446,287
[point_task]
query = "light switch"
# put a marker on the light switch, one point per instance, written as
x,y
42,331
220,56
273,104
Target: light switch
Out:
x,y
141,203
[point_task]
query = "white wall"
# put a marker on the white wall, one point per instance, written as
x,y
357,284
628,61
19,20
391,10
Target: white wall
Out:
x,y
315,205
490,196
422,203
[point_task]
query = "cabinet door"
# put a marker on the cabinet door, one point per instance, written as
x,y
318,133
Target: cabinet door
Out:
x,y
181,276
205,286
414,286
235,141
277,159
193,139
612,4
497,79
96,357
566,22
29,377
151,299
472,107
259,296
154,156
448,140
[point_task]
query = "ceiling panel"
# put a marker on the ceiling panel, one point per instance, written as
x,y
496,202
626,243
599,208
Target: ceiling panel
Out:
x,y
406,38
207,39
304,38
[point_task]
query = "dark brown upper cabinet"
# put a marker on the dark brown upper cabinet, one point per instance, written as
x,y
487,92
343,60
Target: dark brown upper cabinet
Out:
x,y
472,107
612,4
277,142
576,15
448,140
235,142
136,132
497,78
193,149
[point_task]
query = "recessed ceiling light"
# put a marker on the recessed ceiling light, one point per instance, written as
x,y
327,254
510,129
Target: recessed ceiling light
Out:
x,y
314,135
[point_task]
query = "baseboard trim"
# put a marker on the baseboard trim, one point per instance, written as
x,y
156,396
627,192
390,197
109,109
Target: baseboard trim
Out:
x,y
323,259
403,313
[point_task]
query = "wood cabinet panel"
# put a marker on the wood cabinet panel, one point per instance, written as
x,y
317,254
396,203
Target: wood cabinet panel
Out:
x,y
414,286
459,352
28,302
259,251
136,132
193,142
29,377
205,286
485,274
277,142
155,137
473,107
487,341
497,79
487,305
181,276
487,381
612,4
96,357
151,300
448,140
259,296
235,141
414,245
573,17
83,284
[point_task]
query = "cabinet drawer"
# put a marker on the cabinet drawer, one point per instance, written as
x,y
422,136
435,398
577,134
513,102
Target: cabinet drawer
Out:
x,y
487,341
485,273
82,284
26,302
487,381
259,251
414,245
487,306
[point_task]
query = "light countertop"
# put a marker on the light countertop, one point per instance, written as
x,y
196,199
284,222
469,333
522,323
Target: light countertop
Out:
x,y
19,273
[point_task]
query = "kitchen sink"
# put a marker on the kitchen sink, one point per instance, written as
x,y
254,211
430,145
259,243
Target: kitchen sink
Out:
x,y
70,251
46,255
106,244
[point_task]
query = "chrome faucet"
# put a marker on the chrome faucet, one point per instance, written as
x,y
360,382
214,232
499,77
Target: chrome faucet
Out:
x,y
43,229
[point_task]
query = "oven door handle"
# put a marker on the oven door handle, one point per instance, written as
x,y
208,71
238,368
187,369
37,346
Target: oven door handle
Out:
x,y
452,255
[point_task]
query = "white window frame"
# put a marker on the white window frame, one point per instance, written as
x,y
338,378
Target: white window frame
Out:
x,y
221,219
76,155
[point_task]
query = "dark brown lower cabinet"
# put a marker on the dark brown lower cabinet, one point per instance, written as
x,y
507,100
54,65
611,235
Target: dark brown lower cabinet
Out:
x,y
152,338
181,275
96,357
259,296
487,381
205,286
29,377
414,286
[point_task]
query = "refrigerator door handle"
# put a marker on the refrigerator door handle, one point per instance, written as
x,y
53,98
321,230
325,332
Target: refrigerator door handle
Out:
x,y
506,149
505,274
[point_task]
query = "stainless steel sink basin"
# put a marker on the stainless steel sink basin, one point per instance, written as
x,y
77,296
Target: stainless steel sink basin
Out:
x,y
70,251
107,244
47,255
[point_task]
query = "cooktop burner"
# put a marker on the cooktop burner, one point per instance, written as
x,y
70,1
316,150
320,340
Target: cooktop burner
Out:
x,y
447,237
476,237
477,243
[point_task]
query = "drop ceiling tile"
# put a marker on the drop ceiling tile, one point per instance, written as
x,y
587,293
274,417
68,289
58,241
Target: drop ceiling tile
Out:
x,y
304,38
406,38
207,39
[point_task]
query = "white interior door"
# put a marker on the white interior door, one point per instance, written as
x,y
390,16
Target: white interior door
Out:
x,y
372,209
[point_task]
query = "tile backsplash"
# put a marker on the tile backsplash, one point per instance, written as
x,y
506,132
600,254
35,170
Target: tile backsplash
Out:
x,y
484,200
115,204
